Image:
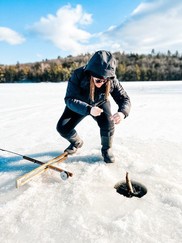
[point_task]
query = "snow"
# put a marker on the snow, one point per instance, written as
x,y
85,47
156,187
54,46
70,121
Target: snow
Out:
x,y
86,207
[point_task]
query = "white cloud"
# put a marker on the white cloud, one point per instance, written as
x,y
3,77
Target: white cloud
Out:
x,y
66,28
10,36
153,24
146,7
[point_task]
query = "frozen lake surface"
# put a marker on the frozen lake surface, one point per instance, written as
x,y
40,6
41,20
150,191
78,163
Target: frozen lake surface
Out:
x,y
86,207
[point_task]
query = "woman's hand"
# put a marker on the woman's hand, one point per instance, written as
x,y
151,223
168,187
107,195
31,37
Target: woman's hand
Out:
x,y
117,117
96,111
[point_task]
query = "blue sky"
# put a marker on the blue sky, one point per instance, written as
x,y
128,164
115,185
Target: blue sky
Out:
x,y
38,29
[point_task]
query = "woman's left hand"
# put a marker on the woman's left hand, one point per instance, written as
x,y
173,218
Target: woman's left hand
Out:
x,y
117,117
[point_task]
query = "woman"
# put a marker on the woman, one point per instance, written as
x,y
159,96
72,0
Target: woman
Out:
x,y
87,94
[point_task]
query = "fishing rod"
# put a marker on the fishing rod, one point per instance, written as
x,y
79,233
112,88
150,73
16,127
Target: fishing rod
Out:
x,y
23,156
101,102
5,150
38,161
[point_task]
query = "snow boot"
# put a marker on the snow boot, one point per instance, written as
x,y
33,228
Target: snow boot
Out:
x,y
75,143
106,150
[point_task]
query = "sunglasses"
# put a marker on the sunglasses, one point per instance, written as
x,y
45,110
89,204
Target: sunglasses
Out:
x,y
99,81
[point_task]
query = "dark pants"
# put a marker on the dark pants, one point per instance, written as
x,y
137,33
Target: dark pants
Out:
x,y
70,119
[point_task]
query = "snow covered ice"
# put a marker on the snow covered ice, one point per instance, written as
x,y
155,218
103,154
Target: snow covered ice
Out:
x,y
86,207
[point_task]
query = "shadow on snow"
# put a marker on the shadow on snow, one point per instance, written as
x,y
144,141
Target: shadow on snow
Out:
x,y
13,163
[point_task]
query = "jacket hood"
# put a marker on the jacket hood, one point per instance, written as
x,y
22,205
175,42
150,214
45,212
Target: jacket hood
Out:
x,y
102,65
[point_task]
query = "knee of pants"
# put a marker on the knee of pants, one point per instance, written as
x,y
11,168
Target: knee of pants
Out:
x,y
107,129
64,131
61,129
107,133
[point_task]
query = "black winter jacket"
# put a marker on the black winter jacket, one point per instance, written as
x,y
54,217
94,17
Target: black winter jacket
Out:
x,y
77,95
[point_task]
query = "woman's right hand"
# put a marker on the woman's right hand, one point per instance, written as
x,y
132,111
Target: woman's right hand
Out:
x,y
96,111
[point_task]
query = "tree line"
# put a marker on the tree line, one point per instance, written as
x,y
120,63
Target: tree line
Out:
x,y
130,67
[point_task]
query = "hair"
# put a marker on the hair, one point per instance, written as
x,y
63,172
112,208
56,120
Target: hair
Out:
x,y
92,89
